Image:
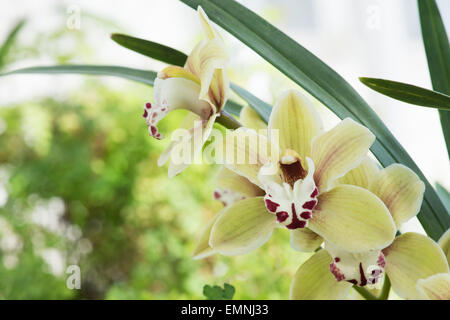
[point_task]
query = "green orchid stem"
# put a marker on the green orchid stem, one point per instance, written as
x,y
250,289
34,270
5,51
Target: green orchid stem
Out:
x,y
228,121
386,289
366,294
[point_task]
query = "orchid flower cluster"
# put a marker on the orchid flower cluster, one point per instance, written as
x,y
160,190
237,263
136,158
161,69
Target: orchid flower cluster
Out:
x,y
322,186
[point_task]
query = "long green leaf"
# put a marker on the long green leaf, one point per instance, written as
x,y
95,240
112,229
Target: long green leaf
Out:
x,y
142,76
437,49
261,107
444,194
9,41
408,93
327,86
150,49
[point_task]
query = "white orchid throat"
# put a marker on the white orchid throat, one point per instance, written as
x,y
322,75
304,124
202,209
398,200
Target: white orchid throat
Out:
x,y
292,195
174,93
360,269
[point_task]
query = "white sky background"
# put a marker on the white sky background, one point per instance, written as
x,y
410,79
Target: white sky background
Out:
x,y
374,38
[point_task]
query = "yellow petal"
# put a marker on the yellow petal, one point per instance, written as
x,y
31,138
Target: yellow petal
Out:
x,y
246,152
187,123
361,175
202,248
436,287
189,145
298,122
243,227
305,240
229,180
207,61
175,93
314,281
411,257
444,243
339,150
208,29
401,190
178,72
353,219
251,119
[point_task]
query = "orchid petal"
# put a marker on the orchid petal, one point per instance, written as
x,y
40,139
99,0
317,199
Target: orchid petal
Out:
x,y
246,152
243,227
339,150
305,240
353,219
251,119
401,190
207,27
436,287
187,123
202,248
298,122
411,257
444,243
314,281
207,61
189,145
171,94
229,180
361,175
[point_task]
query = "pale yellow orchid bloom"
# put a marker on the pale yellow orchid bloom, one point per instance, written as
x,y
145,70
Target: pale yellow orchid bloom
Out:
x,y
301,198
201,87
412,261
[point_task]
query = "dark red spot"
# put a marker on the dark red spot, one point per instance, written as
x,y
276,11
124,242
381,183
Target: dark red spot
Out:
x,y
216,195
309,204
336,272
305,215
145,114
337,259
271,206
148,105
381,262
314,193
363,276
296,223
282,216
153,130
163,109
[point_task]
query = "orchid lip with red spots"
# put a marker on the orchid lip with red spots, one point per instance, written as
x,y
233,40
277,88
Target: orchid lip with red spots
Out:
x,y
292,200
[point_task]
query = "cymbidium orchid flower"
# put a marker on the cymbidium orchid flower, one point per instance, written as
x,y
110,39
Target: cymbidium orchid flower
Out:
x,y
301,194
201,87
415,264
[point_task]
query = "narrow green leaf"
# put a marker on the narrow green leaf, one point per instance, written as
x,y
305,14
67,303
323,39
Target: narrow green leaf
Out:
x,y
408,93
444,194
151,49
437,50
142,76
146,77
9,41
327,86
263,108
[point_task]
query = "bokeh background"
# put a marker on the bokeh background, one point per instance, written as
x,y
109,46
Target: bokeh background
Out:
x,y
79,182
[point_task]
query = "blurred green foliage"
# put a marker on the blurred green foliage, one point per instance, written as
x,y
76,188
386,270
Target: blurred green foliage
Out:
x,y
79,185
82,181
